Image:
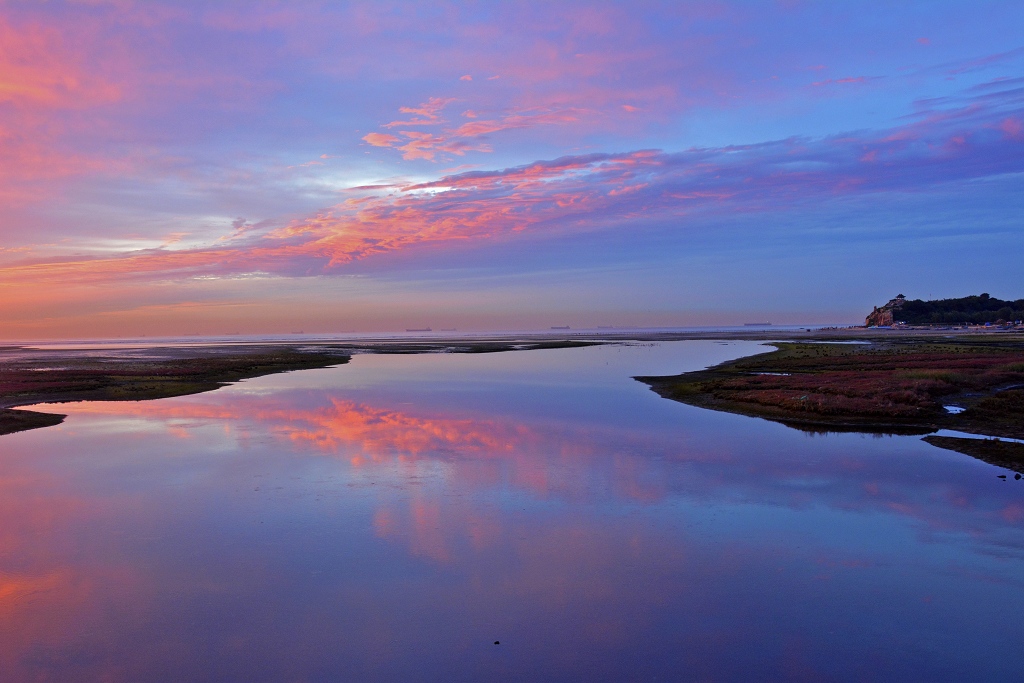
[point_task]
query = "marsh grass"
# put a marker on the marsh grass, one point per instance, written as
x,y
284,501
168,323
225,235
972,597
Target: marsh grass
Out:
x,y
902,383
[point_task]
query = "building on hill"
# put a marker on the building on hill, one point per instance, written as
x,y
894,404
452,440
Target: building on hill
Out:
x,y
883,317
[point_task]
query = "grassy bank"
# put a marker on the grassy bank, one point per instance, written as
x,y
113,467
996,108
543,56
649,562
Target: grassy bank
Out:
x,y
1009,455
51,378
892,387
29,376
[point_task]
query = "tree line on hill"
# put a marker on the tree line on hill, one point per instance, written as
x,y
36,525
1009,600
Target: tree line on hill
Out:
x,y
978,309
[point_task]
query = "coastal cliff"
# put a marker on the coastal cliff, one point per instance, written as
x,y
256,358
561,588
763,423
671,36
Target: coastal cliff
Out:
x,y
979,309
883,317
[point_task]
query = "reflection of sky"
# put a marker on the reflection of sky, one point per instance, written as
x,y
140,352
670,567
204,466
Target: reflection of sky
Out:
x,y
390,519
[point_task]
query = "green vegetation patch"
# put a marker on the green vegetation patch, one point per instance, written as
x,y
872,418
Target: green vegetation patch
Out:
x,y
20,420
977,310
32,380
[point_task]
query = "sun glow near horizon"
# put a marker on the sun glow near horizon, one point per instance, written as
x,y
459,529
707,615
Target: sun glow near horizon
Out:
x,y
172,170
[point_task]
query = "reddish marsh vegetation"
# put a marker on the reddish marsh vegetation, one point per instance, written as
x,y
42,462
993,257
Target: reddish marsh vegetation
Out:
x,y
895,385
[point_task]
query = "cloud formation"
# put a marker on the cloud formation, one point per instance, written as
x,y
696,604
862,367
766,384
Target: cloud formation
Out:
x,y
43,74
466,137
601,191
123,125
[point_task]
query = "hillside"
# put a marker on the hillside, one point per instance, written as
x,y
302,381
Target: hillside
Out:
x,y
979,309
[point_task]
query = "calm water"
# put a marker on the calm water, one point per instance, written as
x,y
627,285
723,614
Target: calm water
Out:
x,y
388,520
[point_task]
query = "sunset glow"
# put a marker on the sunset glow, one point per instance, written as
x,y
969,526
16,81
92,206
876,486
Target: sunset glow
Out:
x,y
171,168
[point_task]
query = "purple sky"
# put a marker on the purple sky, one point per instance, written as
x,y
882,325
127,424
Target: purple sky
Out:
x,y
174,168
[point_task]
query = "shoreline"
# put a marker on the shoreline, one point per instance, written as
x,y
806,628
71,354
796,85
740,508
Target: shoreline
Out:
x,y
139,373
896,385
383,343
31,376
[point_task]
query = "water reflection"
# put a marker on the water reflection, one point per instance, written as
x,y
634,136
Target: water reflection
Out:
x,y
366,524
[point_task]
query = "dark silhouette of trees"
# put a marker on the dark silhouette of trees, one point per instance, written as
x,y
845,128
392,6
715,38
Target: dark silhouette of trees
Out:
x,y
977,309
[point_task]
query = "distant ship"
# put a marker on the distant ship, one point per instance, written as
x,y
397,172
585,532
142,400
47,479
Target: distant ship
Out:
x,y
562,327
757,324
423,329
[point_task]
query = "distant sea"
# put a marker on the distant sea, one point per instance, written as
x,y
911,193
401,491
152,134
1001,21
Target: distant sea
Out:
x,y
342,337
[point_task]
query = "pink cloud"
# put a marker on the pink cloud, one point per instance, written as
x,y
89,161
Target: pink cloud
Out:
x,y
420,145
1013,128
463,138
580,194
76,85
44,77
382,139
108,76
39,67
93,80
429,111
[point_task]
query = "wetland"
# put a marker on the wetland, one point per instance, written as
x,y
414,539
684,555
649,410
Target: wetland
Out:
x,y
534,513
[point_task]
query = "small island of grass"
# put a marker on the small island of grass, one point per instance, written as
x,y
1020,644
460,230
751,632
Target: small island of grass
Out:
x,y
908,386
39,377
32,376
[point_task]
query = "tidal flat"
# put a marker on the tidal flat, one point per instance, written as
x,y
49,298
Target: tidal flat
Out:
x,y
528,514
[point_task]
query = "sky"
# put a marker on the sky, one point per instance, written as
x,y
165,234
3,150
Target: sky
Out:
x,y
173,168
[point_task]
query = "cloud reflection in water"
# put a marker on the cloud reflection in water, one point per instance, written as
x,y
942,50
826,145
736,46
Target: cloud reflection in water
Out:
x,y
294,532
